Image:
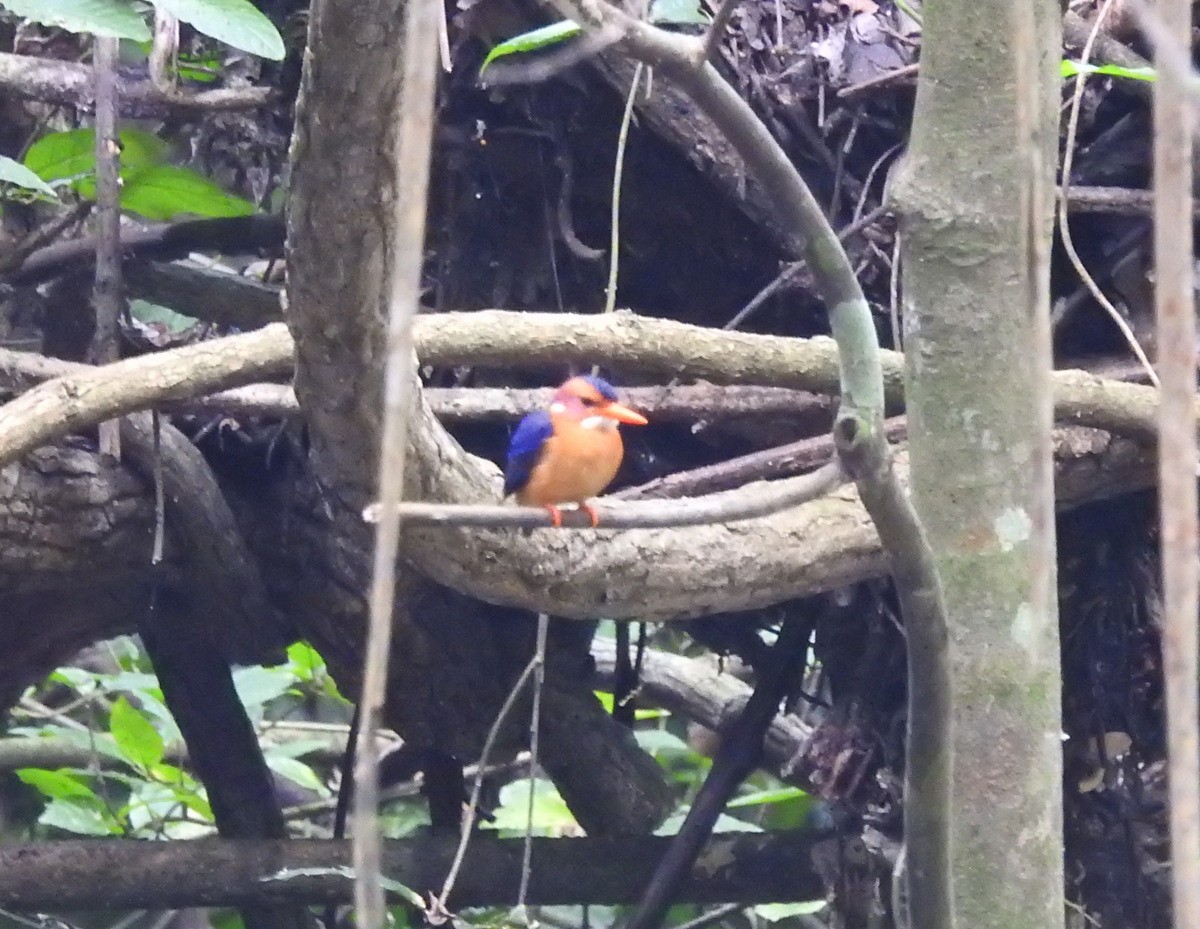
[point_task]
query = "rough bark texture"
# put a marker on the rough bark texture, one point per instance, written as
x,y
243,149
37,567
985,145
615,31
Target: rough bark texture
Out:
x,y
111,874
973,410
77,537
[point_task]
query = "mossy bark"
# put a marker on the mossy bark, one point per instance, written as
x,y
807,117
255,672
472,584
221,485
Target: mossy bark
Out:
x,y
975,402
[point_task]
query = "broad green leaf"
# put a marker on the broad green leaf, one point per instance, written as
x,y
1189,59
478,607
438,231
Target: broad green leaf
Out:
x,y
257,685
304,661
137,738
225,919
760,797
186,789
72,154
234,22
661,742
1070,68
296,771
79,819
165,192
297,748
156,808
773,912
678,13
13,172
162,319
114,18
550,813
57,785
139,682
531,41
725,823
641,715
75,678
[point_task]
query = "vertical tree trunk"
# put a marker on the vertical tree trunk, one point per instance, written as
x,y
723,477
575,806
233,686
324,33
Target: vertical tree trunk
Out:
x,y
975,343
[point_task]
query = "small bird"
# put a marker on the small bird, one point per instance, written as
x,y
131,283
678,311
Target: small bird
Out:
x,y
570,452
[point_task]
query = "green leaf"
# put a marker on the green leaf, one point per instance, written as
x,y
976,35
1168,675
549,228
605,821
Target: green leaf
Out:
x,y
773,912
1070,68
71,154
57,785
296,771
678,13
162,318
165,192
725,823
114,18
136,737
13,172
550,813
257,685
185,788
234,22
75,678
79,819
760,797
641,715
304,661
532,41
297,748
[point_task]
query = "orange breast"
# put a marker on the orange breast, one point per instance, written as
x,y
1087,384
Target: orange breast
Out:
x,y
577,464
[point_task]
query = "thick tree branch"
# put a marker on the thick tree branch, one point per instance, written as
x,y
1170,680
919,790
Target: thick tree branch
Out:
x,y
165,240
697,690
828,538
91,395
90,874
69,83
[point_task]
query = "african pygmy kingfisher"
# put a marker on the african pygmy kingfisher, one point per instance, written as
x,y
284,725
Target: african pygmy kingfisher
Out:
x,y
571,451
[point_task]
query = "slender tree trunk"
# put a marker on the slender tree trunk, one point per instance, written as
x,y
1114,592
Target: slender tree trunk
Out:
x,y
976,341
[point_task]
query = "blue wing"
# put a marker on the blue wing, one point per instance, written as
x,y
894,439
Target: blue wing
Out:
x,y
524,449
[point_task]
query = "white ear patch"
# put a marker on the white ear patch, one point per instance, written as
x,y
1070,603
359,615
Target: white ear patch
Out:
x,y
558,408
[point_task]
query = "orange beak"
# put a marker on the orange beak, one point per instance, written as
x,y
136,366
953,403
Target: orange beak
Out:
x,y
622,414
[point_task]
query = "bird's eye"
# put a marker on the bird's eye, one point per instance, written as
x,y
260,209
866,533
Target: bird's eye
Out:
x,y
589,401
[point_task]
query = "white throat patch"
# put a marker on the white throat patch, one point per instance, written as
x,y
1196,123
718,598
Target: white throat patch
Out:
x,y
598,422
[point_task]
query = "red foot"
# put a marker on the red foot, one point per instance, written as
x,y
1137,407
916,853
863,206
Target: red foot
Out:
x,y
556,515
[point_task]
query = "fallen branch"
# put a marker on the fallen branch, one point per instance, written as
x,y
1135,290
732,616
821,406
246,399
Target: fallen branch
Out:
x,y
165,240
68,83
111,873
697,690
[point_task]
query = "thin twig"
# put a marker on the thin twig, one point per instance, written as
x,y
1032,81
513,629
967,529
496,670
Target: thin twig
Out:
x,y
535,715
614,244
414,121
106,291
898,76
468,825
731,506
792,269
